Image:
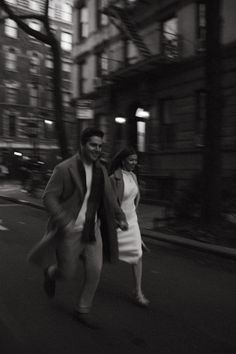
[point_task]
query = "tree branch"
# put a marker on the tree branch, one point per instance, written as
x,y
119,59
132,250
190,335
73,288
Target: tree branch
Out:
x,y
46,8
36,34
31,16
46,18
25,17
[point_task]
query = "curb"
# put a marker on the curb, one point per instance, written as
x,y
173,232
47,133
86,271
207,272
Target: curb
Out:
x,y
22,201
157,236
181,241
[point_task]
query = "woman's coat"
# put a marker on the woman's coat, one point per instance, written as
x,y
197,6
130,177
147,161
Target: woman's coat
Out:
x,y
118,186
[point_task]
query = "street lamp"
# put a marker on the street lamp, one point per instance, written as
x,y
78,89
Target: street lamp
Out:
x,y
49,122
16,153
120,120
141,113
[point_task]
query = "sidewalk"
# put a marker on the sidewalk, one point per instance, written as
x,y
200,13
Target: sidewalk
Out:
x,y
146,213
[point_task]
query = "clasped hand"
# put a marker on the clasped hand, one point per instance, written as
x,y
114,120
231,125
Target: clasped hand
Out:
x,y
123,225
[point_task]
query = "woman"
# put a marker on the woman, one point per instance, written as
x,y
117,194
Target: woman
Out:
x,y
125,186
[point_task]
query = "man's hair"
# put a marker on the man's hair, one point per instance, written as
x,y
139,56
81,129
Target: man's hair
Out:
x,y
88,133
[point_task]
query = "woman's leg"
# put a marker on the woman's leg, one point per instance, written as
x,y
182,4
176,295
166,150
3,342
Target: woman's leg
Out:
x,y
137,273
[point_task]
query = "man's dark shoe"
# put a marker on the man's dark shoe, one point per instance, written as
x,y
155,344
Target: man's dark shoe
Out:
x,y
49,284
85,319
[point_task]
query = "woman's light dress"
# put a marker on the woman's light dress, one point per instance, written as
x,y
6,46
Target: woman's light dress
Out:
x,y
129,242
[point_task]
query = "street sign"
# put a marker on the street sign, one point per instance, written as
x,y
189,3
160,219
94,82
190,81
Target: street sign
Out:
x,y
84,109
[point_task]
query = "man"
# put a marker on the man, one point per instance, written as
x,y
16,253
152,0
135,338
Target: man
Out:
x,y
82,224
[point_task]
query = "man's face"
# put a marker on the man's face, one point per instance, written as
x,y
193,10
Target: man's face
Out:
x,y
91,151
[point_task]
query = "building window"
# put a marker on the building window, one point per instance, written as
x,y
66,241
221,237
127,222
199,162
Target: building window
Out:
x,y
11,59
12,125
66,99
201,26
35,26
66,41
167,133
49,130
1,125
102,64
83,23
11,95
130,52
34,63
200,121
102,19
51,9
49,62
10,28
66,12
141,136
82,78
34,95
49,98
66,66
169,38
34,5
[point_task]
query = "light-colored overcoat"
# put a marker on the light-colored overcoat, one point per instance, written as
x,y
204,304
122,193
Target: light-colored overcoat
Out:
x,y
63,198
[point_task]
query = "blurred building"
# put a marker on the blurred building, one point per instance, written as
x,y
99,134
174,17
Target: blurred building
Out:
x,y
139,67
27,122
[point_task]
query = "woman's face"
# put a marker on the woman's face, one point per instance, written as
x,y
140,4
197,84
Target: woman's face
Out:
x,y
130,162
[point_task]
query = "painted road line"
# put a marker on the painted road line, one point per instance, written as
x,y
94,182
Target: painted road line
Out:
x,y
9,189
2,228
10,205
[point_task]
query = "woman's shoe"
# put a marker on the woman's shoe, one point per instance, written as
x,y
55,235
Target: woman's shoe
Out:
x,y
141,300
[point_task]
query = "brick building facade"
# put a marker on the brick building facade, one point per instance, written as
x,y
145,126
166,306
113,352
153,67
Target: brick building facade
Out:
x,y
27,122
149,56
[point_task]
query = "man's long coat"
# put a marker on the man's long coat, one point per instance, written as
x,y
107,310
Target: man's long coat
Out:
x,y
63,198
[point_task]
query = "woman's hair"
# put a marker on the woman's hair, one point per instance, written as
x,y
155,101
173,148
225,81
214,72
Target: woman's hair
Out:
x,y
116,161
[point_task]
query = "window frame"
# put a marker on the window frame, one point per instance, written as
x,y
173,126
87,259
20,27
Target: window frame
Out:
x,y
34,57
101,58
67,18
63,41
102,20
200,117
200,28
34,99
12,128
82,79
10,28
11,95
168,50
167,129
83,26
34,5
9,61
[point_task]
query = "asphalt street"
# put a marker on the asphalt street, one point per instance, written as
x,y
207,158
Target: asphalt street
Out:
x,y
192,298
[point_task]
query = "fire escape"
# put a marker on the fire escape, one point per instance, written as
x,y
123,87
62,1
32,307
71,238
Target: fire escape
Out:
x,y
120,14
